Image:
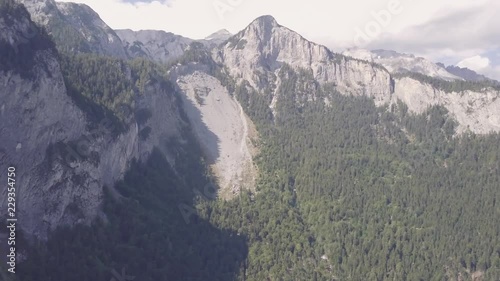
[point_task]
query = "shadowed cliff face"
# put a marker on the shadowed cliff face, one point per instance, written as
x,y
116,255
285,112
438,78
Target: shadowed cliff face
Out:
x,y
36,112
64,159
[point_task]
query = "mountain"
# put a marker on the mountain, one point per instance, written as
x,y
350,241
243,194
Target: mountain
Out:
x,y
257,53
155,45
472,104
396,62
75,27
217,38
465,73
220,35
264,157
163,47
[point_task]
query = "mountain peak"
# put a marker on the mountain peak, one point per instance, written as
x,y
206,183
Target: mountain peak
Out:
x,y
221,34
265,21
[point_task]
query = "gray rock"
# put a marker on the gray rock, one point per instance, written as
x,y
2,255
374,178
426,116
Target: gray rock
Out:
x,y
396,62
158,46
264,46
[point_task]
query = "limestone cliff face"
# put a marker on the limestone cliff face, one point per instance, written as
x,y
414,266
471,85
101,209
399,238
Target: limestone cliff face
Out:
x,y
257,53
475,111
264,46
62,165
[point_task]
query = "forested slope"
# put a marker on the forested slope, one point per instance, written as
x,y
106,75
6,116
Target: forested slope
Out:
x,y
347,192
355,192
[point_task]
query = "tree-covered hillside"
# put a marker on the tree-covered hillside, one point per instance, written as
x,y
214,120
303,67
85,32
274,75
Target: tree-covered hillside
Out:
x,y
355,192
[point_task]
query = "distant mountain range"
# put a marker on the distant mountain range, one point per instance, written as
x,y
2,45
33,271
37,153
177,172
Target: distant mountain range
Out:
x,y
406,63
466,73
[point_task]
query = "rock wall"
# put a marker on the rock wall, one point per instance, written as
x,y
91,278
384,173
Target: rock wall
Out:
x,y
62,160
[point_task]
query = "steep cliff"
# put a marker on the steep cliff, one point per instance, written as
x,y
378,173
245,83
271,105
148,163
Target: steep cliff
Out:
x,y
258,52
64,159
474,110
37,117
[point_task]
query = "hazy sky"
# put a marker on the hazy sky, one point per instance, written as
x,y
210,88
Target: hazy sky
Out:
x,y
460,32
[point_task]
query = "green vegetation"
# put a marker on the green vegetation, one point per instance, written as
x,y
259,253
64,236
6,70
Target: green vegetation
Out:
x,y
196,52
346,183
339,57
69,39
105,87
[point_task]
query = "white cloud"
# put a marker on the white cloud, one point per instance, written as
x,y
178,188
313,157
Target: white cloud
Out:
x,y
481,65
330,21
476,63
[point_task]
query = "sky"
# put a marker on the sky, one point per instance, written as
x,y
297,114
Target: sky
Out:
x,y
458,32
